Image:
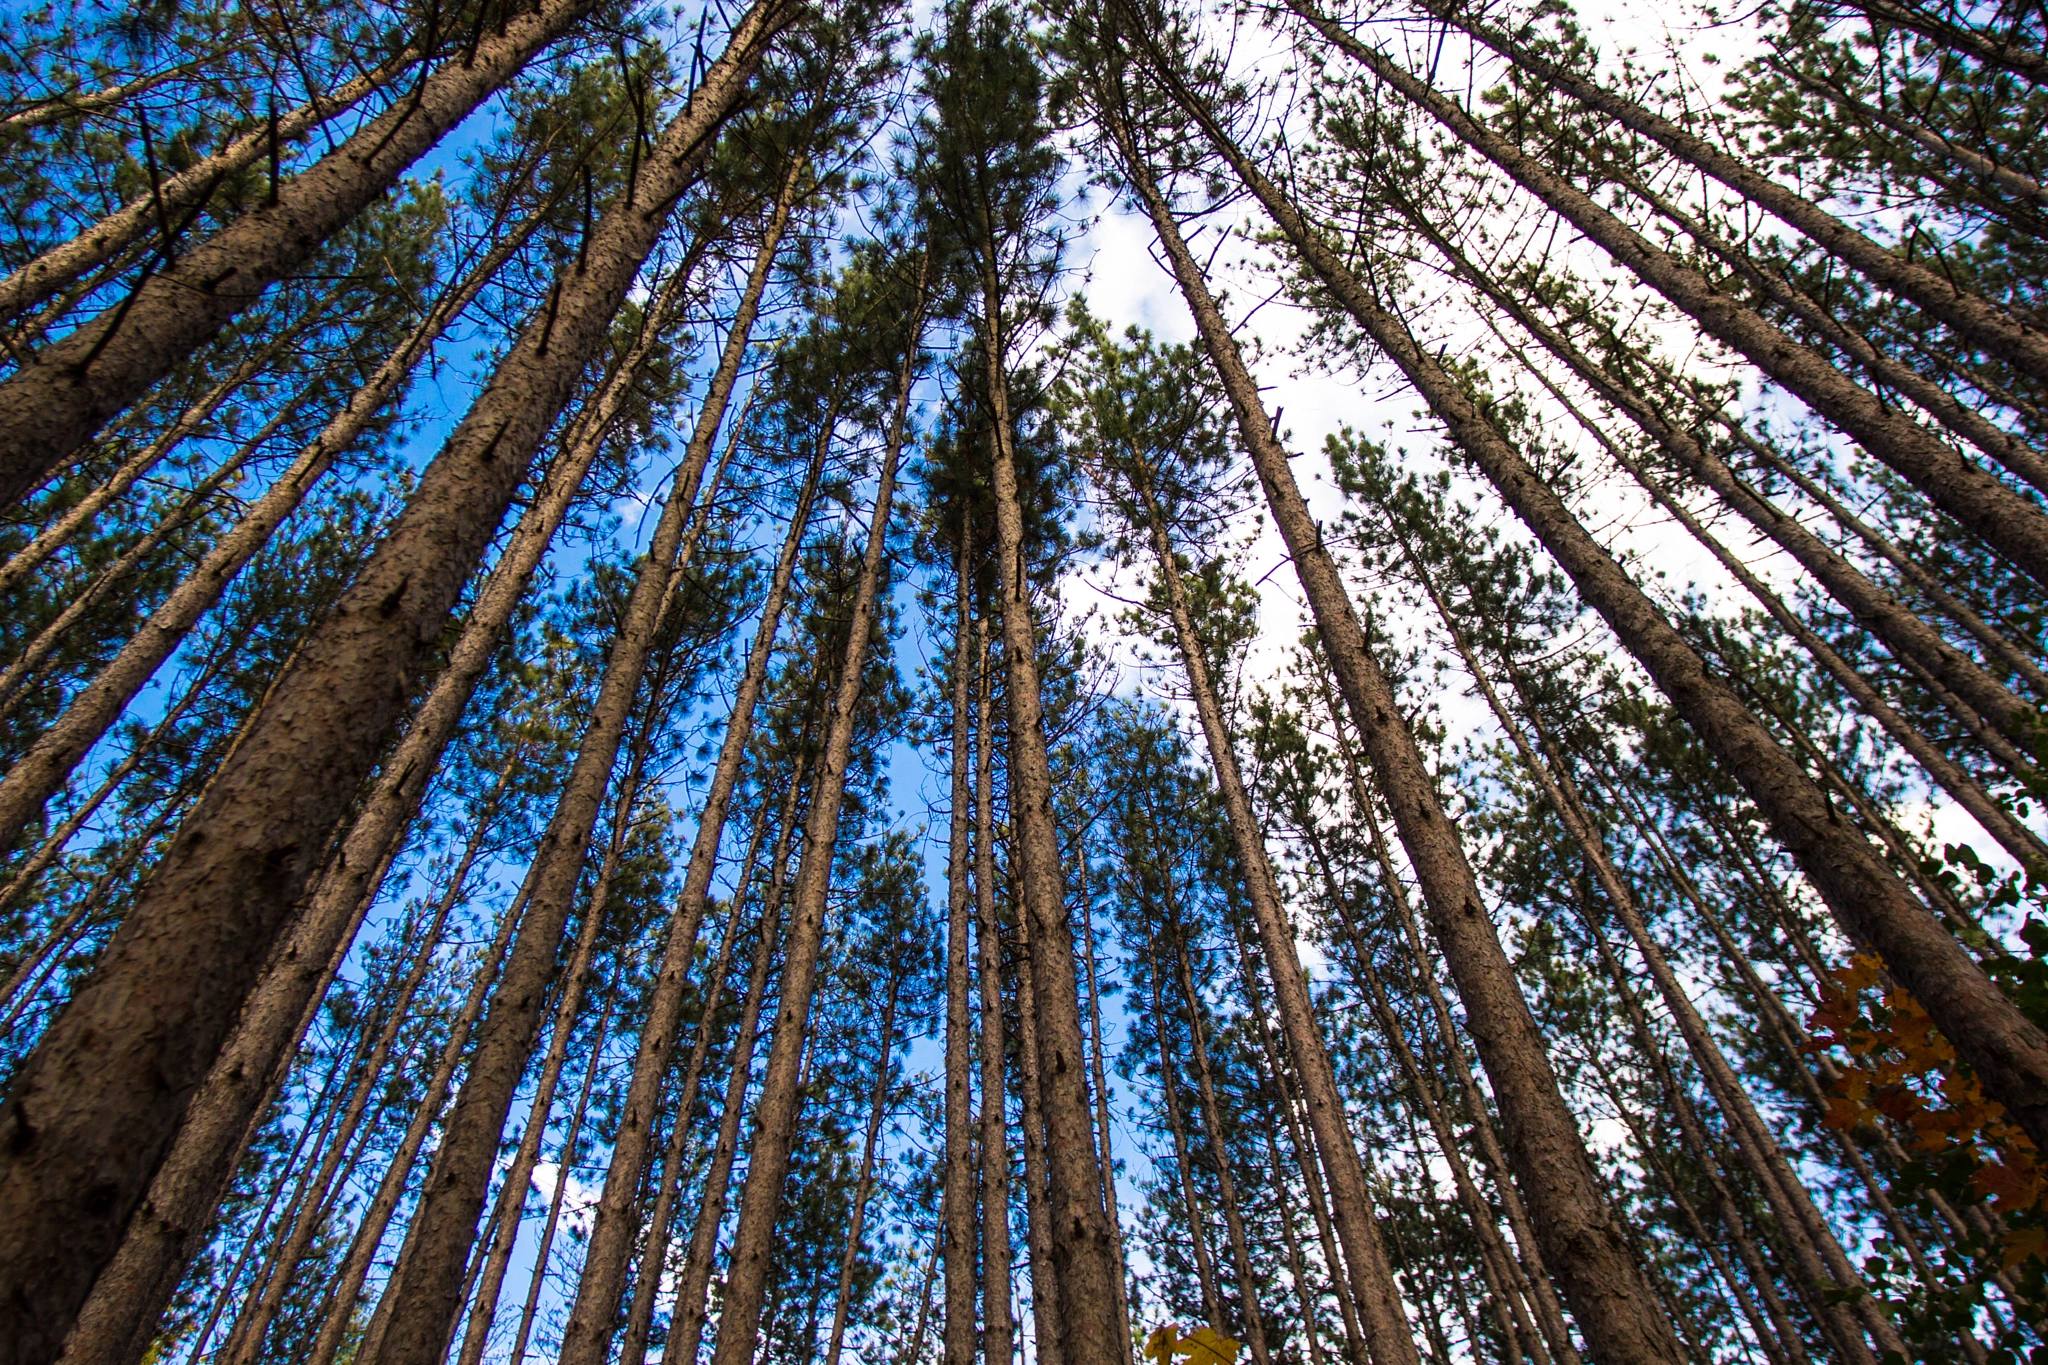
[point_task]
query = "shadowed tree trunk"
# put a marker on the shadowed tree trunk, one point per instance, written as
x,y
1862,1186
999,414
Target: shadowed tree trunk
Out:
x,y
445,1223
52,406
91,1111
998,1328
654,1250
1184,1166
1614,1305
132,1290
41,771
957,1231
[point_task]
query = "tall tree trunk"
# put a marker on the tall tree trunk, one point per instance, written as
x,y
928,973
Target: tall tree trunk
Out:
x,y
53,406
92,1110
1372,1278
2005,521
30,870
1083,1262
371,1075
188,1184
1219,1155
2007,1050
1613,1304
1183,1162
587,1338
445,1222
542,1250
1101,1079
998,1328
864,1185
1045,1284
775,1114
49,273
957,1230
1996,645
693,1282
49,761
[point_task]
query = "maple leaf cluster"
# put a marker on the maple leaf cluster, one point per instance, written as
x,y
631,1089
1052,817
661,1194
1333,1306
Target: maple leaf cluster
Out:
x,y
1901,1069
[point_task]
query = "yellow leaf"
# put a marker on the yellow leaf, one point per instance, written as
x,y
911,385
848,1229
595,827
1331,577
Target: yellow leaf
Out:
x,y
1159,1346
1207,1347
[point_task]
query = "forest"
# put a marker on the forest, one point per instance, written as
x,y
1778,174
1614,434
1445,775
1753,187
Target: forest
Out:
x,y
1073,682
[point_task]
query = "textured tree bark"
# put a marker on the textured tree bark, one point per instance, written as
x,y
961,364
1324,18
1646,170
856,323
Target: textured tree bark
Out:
x,y
957,1231
117,1348
775,1113
51,407
159,1242
1183,1162
2010,524
92,1110
48,274
1083,1261
864,1186
48,763
587,1337
998,1329
693,1282
1971,315
1614,1305
1045,1284
2008,1051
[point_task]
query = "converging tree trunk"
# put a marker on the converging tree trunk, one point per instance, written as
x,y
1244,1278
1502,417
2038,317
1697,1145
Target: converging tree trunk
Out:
x,y
90,1113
